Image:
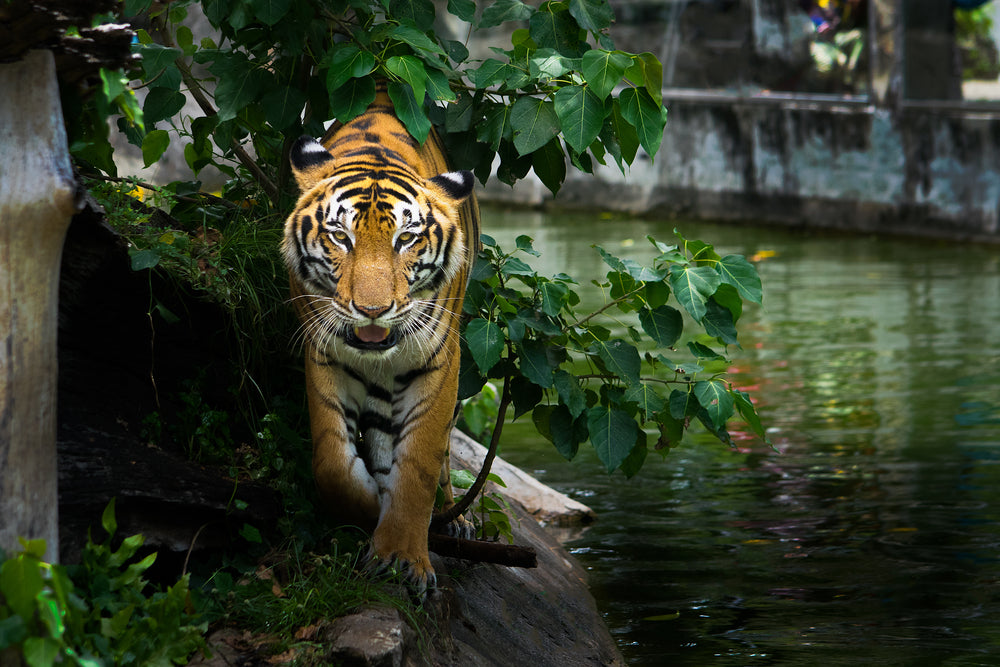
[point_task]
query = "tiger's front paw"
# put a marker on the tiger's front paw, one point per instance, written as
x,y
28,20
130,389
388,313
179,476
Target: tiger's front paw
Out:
x,y
416,571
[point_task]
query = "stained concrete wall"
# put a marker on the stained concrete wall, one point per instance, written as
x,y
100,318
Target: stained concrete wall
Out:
x,y
914,171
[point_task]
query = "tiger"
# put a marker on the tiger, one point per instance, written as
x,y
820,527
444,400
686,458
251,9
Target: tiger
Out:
x,y
379,248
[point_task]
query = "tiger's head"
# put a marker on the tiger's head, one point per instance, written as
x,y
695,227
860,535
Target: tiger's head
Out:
x,y
372,248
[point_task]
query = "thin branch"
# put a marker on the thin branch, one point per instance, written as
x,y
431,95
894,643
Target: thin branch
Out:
x,y
509,555
604,307
198,92
456,510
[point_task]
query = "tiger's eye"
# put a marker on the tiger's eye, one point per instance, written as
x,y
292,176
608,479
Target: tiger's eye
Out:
x,y
405,237
340,235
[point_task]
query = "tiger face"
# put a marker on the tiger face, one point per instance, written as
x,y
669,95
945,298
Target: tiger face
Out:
x,y
372,245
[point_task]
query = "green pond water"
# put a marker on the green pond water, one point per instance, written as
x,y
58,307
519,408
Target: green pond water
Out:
x,y
870,534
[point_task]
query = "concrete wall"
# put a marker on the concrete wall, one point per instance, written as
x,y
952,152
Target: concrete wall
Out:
x,y
919,171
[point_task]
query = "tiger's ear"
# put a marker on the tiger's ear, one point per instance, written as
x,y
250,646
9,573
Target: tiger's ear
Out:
x,y
454,185
310,162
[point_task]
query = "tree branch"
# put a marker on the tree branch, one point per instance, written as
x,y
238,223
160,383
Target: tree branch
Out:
x,y
509,555
456,510
269,188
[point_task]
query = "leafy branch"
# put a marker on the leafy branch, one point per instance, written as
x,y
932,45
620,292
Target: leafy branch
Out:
x,y
531,338
559,94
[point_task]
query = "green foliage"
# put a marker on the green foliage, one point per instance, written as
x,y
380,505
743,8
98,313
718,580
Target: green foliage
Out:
x,y
99,612
584,381
490,511
560,92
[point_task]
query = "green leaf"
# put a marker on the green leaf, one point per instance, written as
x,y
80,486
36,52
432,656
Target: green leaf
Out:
x,y
625,136
486,343
671,430
748,411
417,39
40,651
633,462
283,106
657,293
611,260
648,400
156,58
646,71
716,399
240,83
470,381
553,295
251,534
438,86
409,110
552,26
421,12
535,363
525,395
741,274
13,631
512,266
160,104
612,433
462,479
729,298
270,11
20,582
693,286
549,163
463,9
664,324
495,126
411,70
556,425
703,352
347,61
603,70
646,116
548,64
154,144
718,323
352,99
581,115
534,122
683,404
570,392
108,521
620,358
491,72
592,15
502,11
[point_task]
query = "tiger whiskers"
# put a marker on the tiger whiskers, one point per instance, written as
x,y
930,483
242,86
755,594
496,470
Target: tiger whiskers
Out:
x,y
321,318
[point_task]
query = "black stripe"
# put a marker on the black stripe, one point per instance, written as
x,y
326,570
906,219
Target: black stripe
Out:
x,y
373,420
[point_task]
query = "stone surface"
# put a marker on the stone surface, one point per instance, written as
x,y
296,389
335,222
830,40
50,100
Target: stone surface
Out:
x,y
545,504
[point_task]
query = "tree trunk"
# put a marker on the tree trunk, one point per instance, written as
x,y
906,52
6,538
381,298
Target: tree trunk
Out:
x,y
37,193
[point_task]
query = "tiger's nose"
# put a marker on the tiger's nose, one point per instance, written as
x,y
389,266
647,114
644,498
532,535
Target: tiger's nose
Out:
x,y
373,311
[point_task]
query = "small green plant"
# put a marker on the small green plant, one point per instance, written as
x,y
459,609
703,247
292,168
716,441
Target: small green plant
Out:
x,y
100,612
490,513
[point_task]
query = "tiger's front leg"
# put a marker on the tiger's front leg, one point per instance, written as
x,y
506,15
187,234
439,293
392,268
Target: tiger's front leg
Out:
x,y
408,491
345,485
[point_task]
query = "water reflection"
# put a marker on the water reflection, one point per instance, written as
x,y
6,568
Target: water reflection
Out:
x,y
871,536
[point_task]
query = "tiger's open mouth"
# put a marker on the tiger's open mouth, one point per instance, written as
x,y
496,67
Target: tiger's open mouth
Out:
x,y
372,337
